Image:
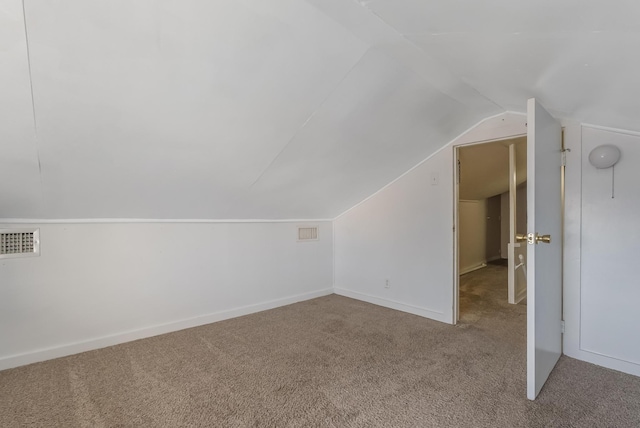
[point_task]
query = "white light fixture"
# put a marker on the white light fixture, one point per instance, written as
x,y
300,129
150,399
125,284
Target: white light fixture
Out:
x,y
606,156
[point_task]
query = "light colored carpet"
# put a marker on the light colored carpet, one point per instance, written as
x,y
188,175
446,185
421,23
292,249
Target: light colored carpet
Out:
x,y
331,361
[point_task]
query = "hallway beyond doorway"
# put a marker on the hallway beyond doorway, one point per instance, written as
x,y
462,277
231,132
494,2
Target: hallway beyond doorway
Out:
x,y
483,294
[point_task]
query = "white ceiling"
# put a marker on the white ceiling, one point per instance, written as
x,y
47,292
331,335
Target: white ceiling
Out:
x,y
279,108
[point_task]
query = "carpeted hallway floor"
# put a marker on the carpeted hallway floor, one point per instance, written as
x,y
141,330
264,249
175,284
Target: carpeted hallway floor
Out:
x,y
327,362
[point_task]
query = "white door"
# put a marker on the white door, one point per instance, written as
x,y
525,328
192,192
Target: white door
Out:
x,y
544,260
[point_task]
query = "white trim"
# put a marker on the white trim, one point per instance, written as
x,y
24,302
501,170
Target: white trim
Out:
x,y
604,361
333,255
473,268
616,130
128,336
152,220
455,298
471,138
392,304
446,145
490,141
520,297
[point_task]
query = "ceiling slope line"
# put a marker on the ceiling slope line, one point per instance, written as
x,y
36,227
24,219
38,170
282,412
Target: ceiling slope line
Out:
x,y
471,87
363,4
304,124
444,146
26,39
33,100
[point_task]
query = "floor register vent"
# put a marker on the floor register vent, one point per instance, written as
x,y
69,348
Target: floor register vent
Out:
x,y
19,243
306,233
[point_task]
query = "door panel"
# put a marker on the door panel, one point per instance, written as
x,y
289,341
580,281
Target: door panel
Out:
x,y
544,260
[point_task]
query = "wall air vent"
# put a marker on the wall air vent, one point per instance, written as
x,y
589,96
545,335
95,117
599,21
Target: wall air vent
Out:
x,y
19,243
307,233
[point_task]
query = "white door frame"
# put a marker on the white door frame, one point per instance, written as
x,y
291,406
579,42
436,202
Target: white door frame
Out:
x,y
456,228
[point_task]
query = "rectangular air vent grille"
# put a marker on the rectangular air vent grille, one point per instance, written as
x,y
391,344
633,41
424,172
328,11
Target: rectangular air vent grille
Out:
x,y
307,233
19,242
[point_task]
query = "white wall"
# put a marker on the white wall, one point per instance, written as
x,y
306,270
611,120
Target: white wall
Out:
x,y
404,233
601,253
472,221
136,280
95,285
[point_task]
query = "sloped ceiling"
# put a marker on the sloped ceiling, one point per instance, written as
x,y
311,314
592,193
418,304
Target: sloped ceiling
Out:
x,y
279,108
484,168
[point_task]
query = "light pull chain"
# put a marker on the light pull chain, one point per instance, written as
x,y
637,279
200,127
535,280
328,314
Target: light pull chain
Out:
x,y
613,180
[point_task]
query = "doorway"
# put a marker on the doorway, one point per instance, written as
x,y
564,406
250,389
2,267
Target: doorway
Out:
x,y
543,264
490,213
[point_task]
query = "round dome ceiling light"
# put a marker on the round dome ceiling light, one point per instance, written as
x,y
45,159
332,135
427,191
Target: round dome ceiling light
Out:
x,y
603,157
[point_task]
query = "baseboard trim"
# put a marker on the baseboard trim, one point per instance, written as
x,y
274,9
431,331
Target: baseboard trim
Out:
x,y
603,360
154,220
521,296
392,304
473,268
143,333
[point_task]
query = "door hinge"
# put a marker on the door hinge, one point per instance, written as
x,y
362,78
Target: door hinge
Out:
x,y
564,156
562,326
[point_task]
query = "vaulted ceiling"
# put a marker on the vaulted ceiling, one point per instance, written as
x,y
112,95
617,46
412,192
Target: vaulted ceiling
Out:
x,y
215,109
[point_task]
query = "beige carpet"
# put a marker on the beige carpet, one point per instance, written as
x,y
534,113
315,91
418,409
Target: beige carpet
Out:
x,y
331,361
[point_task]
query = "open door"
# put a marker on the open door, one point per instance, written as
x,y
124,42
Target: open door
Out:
x,y
544,242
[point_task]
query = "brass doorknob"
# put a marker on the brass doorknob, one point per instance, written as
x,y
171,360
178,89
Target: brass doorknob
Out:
x,y
521,237
543,238
533,238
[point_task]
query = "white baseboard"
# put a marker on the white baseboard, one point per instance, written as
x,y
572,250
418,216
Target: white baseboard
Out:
x,y
603,360
521,296
392,304
472,268
128,336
